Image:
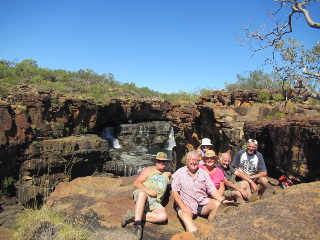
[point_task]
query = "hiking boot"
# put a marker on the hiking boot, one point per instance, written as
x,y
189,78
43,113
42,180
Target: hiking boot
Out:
x,y
127,218
137,232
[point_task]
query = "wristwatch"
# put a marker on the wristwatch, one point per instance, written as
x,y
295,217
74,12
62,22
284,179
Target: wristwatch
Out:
x,y
222,200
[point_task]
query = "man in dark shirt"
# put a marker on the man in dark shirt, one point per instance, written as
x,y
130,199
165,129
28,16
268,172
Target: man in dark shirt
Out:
x,y
240,191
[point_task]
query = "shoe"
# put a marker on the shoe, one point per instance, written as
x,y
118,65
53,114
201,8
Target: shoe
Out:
x,y
230,209
221,208
127,218
137,232
236,204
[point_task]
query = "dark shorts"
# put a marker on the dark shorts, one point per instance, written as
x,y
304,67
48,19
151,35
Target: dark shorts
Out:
x,y
200,207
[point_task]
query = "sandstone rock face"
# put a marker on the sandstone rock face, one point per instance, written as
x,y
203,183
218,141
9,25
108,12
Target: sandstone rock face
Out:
x,y
47,139
290,146
58,160
100,202
34,121
287,215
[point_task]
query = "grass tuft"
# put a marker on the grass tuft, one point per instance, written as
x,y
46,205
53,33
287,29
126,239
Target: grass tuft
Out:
x,y
47,224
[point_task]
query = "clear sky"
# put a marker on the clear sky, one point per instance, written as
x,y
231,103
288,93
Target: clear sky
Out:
x,y
166,45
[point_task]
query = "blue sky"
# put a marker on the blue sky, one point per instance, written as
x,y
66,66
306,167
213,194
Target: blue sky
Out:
x,y
166,45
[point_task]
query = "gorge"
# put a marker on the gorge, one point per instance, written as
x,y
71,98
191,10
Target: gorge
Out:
x,y
47,139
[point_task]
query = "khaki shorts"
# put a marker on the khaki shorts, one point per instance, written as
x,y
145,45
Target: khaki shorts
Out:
x,y
228,193
151,204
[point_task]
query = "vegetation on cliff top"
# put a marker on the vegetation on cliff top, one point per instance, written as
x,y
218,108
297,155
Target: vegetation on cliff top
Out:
x,y
82,83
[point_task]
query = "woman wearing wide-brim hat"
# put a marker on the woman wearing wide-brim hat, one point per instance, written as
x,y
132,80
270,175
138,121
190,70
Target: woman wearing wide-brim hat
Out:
x,y
151,186
216,174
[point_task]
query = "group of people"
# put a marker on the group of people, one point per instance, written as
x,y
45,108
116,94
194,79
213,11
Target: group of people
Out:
x,y
199,188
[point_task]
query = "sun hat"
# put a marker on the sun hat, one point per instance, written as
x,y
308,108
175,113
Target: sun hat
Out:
x,y
210,154
206,141
253,141
161,156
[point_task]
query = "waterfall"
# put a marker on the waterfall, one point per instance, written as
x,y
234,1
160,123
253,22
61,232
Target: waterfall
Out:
x,y
171,140
109,134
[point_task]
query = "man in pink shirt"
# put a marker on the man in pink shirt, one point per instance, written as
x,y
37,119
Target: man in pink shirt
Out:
x,y
191,190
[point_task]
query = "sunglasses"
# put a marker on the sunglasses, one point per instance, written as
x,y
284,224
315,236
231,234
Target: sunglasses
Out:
x,y
205,146
161,161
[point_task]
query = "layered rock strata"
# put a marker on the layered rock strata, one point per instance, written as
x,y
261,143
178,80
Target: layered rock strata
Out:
x,y
33,120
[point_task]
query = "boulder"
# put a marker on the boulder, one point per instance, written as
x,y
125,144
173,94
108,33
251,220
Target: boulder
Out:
x,y
100,202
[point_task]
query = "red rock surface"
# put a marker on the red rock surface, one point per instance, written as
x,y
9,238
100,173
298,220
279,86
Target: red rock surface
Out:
x,y
101,202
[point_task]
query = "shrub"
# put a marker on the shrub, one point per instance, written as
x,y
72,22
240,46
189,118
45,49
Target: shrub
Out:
x,y
36,79
314,102
81,129
269,117
47,224
278,97
278,115
263,96
3,91
6,184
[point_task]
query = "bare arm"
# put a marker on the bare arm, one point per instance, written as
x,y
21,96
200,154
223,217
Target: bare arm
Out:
x,y
138,183
216,195
234,187
247,178
221,188
260,174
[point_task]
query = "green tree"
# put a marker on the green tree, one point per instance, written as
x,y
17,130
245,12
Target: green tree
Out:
x,y
298,66
256,79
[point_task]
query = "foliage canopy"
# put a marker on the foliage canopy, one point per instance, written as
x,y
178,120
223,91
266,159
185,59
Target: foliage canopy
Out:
x,y
256,79
84,83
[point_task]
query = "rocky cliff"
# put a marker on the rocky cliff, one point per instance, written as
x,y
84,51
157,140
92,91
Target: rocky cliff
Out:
x,y
48,138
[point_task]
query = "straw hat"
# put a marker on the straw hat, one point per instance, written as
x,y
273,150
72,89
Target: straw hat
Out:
x,y
206,141
161,156
210,154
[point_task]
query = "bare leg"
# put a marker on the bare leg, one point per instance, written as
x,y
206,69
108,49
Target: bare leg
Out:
x,y
140,205
237,195
187,221
246,186
157,215
210,209
263,181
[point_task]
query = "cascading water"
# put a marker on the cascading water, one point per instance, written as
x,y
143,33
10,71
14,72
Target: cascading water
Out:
x,y
108,134
171,140
139,142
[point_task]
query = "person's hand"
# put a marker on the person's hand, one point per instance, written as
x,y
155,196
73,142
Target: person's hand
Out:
x,y
187,210
152,193
254,186
228,201
244,193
